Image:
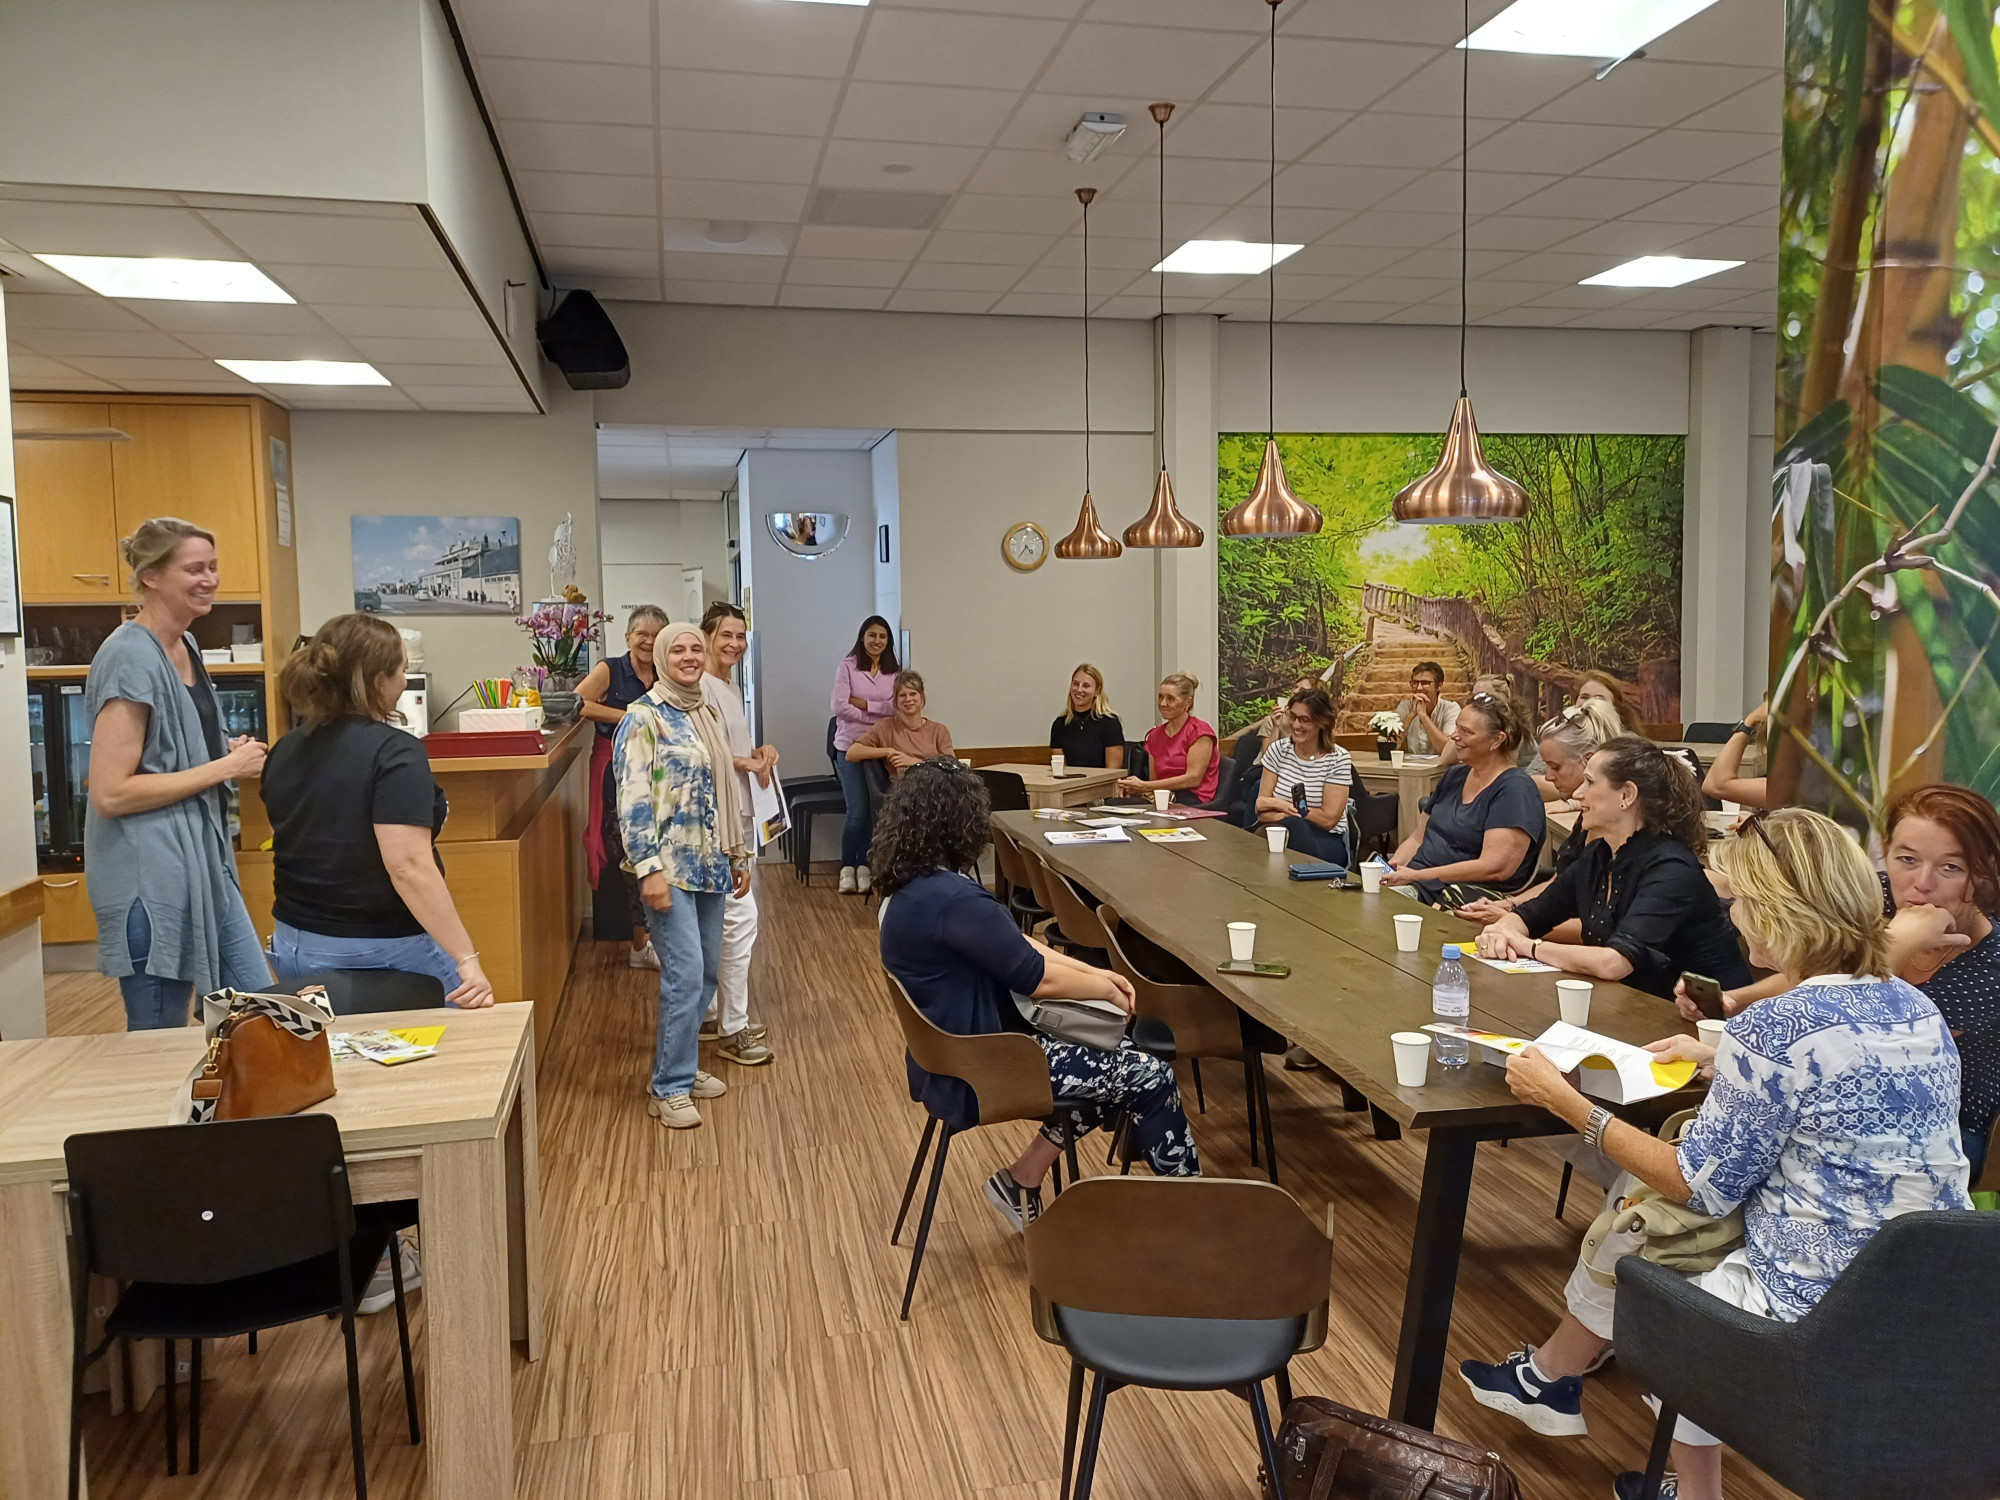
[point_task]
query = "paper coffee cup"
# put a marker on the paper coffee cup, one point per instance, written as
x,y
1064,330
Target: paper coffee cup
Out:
x,y
1055,765
1413,1058
1711,1031
1409,931
1242,941
1275,836
1396,758
1161,798
1573,1000
1371,878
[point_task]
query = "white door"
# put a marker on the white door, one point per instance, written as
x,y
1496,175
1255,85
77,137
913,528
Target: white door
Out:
x,y
629,585
691,592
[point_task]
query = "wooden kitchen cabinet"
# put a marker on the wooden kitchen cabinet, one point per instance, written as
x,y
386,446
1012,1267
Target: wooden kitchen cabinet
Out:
x,y
195,462
64,509
66,913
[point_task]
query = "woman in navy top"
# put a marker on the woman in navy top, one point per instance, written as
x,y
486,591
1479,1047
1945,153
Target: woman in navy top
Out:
x,y
962,959
1486,823
612,686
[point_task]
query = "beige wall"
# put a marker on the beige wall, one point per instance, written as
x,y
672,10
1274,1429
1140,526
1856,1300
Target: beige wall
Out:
x,y
439,463
22,1013
693,533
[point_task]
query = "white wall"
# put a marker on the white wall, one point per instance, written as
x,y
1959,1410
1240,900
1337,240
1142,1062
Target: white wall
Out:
x,y
692,533
22,1011
441,463
805,610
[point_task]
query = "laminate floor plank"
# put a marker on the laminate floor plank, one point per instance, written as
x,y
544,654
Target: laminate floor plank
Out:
x,y
721,1303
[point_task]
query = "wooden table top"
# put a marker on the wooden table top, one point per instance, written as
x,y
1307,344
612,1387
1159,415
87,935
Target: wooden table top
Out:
x,y
1350,987
1036,777
1706,751
1430,767
56,1087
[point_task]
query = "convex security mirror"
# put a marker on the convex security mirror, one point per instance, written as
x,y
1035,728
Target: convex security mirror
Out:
x,y
807,533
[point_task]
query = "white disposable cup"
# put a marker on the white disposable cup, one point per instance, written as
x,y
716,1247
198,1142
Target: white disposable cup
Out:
x,y
1242,941
1055,765
1396,758
1573,1000
1275,836
1161,798
1413,1058
1409,932
1711,1031
1371,878
966,761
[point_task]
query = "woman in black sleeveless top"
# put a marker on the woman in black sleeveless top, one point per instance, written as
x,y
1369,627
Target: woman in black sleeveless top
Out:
x,y
613,685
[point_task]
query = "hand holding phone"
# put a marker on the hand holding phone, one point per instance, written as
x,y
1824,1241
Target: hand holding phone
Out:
x,y
1705,993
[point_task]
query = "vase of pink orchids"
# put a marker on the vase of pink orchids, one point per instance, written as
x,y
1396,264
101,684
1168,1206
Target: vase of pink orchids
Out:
x,y
560,636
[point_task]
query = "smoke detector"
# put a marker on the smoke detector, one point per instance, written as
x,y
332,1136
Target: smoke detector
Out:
x,y
1092,134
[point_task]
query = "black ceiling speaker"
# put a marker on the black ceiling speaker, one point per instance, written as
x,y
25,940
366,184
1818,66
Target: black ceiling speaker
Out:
x,y
579,340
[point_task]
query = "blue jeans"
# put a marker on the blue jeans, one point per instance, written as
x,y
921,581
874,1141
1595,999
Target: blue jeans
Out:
x,y
301,953
157,1001
688,938
858,831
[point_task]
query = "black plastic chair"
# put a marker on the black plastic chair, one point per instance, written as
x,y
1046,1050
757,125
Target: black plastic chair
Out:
x,y
1705,733
1885,1390
1249,775
1005,789
220,1229
809,800
1225,787
360,992
1376,817
1138,762
1177,1284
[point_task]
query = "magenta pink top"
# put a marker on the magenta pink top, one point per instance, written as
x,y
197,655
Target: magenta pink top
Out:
x,y
1169,754
876,689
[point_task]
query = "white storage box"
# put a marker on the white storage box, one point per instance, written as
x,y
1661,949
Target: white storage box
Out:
x,y
494,720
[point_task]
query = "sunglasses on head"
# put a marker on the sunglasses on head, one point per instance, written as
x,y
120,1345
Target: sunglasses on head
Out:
x,y
1755,823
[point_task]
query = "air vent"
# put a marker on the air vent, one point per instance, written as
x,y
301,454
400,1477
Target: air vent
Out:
x,y
870,208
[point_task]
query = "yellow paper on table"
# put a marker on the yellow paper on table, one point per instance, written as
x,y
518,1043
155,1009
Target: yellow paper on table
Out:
x,y
419,1036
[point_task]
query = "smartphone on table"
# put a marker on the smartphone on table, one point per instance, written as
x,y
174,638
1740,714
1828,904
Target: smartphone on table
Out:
x,y
1267,971
1706,994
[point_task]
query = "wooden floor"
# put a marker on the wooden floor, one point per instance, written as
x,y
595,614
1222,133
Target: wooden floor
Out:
x,y
722,1302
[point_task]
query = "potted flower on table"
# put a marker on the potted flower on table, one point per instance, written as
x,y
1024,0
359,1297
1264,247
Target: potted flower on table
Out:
x,y
1388,732
561,635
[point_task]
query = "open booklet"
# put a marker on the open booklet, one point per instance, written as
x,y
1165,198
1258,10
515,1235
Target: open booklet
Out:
x,y
1091,836
1605,1068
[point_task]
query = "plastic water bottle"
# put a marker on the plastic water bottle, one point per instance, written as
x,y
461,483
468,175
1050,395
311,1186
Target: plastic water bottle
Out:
x,y
1451,1003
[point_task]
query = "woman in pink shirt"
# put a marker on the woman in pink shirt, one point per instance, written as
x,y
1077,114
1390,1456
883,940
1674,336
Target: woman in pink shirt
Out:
x,y
1180,747
864,694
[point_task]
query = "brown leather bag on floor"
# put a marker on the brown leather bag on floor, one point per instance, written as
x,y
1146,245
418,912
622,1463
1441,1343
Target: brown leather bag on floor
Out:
x,y
1327,1451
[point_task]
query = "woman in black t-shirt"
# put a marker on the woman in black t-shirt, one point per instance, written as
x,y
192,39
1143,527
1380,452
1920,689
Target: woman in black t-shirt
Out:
x,y
355,813
1645,903
1087,732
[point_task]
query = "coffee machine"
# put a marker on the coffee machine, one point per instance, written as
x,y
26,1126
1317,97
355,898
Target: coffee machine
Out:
x,y
414,701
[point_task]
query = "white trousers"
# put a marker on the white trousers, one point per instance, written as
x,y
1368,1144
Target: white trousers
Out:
x,y
739,936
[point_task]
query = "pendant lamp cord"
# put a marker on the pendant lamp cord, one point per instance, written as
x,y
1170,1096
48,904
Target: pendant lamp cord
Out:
x,y
1464,185
1160,323
1086,346
1271,271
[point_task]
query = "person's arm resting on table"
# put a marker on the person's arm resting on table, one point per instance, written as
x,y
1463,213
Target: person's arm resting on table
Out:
x,y
1500,854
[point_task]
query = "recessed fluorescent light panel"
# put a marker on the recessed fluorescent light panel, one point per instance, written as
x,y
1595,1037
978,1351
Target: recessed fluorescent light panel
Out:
x,y
305,371
163,279
1226,257
1658,270
1582,28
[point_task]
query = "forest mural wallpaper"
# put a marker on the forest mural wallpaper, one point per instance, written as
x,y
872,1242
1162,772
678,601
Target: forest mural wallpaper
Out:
x,y
1885,527
1591,579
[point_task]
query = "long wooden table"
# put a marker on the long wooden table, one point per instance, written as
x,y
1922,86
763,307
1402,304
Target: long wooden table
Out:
x,y
455,1131
1079,787
1350,989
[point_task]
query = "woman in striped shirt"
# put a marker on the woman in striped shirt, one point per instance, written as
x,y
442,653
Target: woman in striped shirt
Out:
x,y
1307,780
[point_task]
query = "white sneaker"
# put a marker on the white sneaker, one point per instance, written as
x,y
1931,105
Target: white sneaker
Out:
x,y
707,1085
676,1112
643,958
847,880
862,883
381,1289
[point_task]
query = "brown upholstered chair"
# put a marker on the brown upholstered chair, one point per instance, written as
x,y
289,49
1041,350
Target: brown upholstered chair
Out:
x,y
1989,1174
1008,1074
1203,1021
1076,915
1022,903
1176,1283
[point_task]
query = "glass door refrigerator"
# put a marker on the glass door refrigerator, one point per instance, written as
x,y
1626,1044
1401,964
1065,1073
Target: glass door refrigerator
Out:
x,y
59,754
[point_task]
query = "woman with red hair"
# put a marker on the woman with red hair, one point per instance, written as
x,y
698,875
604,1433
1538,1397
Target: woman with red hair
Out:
x,y
1942,849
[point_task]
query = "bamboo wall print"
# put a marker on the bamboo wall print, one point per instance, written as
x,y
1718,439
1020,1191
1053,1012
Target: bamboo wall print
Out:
x,y
1885,508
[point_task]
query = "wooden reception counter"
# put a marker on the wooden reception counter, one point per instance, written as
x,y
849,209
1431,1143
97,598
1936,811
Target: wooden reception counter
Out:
x,y
512,846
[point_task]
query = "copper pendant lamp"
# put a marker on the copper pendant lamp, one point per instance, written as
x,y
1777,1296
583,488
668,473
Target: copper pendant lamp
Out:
x,y
1163,525
1272,509
1464,488
1088,539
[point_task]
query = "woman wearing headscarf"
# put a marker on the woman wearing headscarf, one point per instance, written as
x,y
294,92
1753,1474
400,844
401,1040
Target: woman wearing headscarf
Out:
x,y
683,836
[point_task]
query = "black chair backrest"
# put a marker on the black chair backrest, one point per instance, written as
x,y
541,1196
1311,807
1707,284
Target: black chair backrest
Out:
x,y
1249,745
1704,733
1225,785
360,992
1004,789
1137,762
1375,813
197,1204
876,774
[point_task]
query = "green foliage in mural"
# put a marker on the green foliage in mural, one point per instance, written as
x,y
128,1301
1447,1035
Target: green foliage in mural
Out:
x,y
1590,579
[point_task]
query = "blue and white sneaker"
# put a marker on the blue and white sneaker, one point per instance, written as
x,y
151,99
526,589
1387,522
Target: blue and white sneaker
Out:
x,y
1632,1484
1554,1408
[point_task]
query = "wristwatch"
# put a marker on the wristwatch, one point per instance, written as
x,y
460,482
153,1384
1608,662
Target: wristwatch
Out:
x,y
1743,728
1594,1127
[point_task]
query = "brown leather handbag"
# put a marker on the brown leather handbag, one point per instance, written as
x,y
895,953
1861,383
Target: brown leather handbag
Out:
x,y
1327,1451
267,1055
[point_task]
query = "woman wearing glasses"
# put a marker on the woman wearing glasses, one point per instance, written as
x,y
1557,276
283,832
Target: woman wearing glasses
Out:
x,y
1637,886
1832,1109
1485,826
1307,780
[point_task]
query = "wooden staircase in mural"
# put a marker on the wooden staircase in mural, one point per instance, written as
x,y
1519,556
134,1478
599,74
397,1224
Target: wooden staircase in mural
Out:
x,y
1385,680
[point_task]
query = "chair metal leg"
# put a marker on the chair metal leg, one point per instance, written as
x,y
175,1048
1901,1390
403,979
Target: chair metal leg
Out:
x,y
403,1338
924,1224
1260,1417
76,1401
194,1406
1250,1067
1072,1411
1101,1387
1264,1113
1656,1458
1562,1192
173,1416
354,1404
1200,1102
916,1170
253,1341
1069,1152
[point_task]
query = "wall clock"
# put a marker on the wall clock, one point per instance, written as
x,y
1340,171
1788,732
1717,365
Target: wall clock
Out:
x,y
1025,546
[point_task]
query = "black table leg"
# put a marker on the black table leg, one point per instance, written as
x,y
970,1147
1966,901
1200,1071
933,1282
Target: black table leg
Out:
x,y
1386,1128
1433,1275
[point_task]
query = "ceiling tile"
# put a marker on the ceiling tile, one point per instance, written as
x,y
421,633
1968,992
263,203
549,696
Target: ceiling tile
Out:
x,y
1759,108
326,345
1489,192
1131,59
575,261
1525,232
923,112
933,169
837,242
1011,214
1622,239
1503,85
1324,186
409,322
729,293
430,351
1049,10
466,377
1199,15
761,104
319,239
1563,267
1106,253
467,397
809,271
1709,203
605,31
579,92
814,40
1592,197
140,372
1381,139
1035,305
1046,174
909,300
541,146
372,287
934,276
1644,91
1540,146
1404,230
612,231
40,310
73,343
232,317
1242,132
908,46
1679,155
766,202
1725,33
1731,242
832,296
1766,170
738,158
588,193
1328,259
29,371
1316,74
683,266
1042,121
965,247
1250,220
57,228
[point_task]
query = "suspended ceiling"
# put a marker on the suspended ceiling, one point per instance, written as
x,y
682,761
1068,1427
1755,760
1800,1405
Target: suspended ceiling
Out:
x,y
637,462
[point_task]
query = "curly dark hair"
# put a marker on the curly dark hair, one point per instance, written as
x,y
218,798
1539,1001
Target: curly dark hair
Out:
x,y
937,817
1669,797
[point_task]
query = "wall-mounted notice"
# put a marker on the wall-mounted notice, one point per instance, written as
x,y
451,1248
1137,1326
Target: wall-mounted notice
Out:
x,y
281,486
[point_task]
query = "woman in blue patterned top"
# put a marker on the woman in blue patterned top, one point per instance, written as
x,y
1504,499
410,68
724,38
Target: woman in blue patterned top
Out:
x,y
1833,1109
683,839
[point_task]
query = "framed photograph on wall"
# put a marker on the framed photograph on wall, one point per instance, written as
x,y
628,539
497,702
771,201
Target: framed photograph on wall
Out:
x,y
10,572
437,565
